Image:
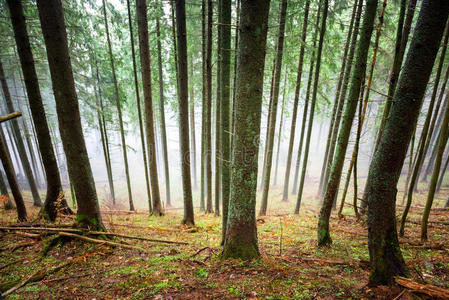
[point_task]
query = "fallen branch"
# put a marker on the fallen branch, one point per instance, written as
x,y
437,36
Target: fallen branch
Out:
x,y
134,237
29,235
324,261
199,251
427,289
10,116
51,229
88,239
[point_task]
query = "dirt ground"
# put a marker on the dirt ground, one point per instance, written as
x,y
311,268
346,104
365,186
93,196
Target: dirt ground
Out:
x,y
291,267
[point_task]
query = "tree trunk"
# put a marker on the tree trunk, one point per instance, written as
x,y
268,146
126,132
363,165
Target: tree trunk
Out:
x,y
218,116
295,103
183,103
241,233
423,143
55,35
341,102
142,22
20,145
442,141
192,125
274,108
385,255
337,94
443,170
345,130
139,110
12,180
162,111
208,129
119,110
280,131
225,134
312,104
54,187
204,104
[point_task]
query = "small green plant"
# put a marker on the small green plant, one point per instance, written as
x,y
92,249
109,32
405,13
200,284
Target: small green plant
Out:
x,y
202,273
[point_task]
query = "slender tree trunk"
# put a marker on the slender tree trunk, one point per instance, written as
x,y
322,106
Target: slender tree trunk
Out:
x,y
312,104
241,233
162,103
204,104
20,145
365,96
424,136
208,130
295,103
183,103
337,94
218,116
345,130
119,110
54,186
280,131
386,260
142,22
12,180
55,35
274,108
442,141
342,101
434,135
234,81
139,110
443,170
192,124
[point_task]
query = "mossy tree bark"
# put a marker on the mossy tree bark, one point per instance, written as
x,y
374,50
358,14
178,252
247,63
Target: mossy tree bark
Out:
x,y
54,187
19,141
325,8
55,36
183,103
142,22
345,130
12,180
295,103
338,92
274,109
425,138
241,233
139,109
385,255
119,109
225,108
341,103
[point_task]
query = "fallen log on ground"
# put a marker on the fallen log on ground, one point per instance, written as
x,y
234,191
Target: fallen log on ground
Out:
x,y
135,237
427,289
91,240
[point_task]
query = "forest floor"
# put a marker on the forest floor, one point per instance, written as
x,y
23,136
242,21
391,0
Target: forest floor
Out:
x,y
291,267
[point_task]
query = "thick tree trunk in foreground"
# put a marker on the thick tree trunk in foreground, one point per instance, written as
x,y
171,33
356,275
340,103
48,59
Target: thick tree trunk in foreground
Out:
x,y
423,143
295,103
142,22
274,109
312,104
19,141
139,110
12,180
345,130
241,233
54,187
55,35
119,110
385,255
225,109
183,103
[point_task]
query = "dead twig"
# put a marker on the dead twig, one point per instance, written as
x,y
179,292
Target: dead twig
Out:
x,y
91,240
